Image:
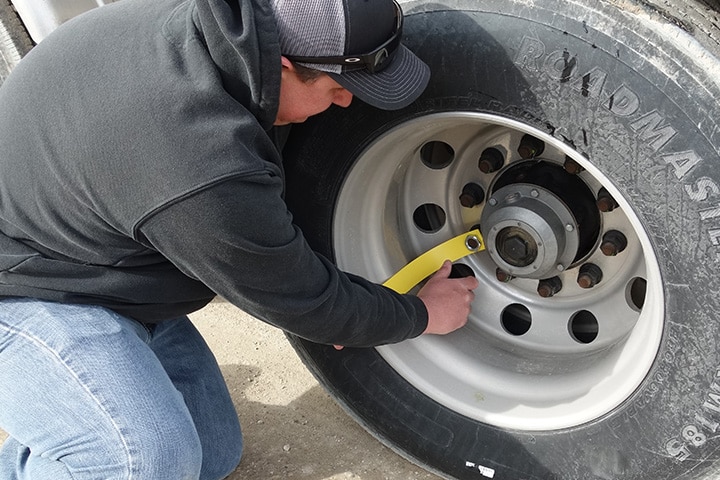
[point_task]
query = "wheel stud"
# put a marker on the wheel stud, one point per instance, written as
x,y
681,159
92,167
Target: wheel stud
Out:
x,y
589,275
530,147
472,195
491,160
549,286
613,242
572,167
503,276
605,201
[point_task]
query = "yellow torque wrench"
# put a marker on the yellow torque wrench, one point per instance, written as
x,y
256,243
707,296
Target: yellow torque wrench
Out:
x,y
429,262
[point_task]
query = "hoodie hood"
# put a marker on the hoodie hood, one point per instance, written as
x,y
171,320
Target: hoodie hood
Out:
x,y
241,37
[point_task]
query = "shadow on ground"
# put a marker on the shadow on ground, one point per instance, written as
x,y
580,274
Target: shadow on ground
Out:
x,y
291,426
309,438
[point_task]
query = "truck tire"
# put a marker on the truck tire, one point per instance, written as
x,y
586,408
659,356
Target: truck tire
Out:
x,y
583,138
14,40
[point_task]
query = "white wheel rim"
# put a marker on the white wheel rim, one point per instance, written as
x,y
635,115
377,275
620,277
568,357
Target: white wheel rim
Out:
x,y
541,380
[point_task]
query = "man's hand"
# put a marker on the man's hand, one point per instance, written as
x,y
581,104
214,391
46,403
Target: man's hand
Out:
x,y
447,300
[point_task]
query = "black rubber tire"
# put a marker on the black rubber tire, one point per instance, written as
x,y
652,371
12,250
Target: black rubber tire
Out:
x,y
489,56
14,40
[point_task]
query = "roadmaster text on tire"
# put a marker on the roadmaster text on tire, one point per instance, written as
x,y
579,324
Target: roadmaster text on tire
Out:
x,y
581,136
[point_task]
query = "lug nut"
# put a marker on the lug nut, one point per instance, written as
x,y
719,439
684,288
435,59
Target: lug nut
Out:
x,y
472,195
530,147
491,160
503,276
605,201
572,167
589,275
613,242
549,286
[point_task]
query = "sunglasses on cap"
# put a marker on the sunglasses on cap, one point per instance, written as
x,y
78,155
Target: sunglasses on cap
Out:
x,y
374,61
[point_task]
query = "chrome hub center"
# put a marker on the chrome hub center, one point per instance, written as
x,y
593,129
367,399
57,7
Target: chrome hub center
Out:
x,y
529,231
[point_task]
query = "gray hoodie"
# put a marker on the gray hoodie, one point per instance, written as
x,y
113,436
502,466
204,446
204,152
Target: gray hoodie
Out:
x,y
137,172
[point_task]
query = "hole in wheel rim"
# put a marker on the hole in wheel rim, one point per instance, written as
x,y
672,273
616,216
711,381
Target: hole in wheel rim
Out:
x,y
637,292
516,319
584,327
429,217
437,155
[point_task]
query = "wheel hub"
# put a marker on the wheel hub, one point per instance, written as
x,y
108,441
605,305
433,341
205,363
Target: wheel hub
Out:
x,y
529,231
517,247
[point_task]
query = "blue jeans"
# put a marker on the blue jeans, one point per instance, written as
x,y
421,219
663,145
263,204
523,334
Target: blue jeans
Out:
x,y
86,393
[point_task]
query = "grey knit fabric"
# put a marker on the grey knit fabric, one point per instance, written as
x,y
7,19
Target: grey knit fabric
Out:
x,y
311,28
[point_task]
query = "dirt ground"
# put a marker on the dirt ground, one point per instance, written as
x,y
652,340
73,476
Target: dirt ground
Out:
x,y
291,427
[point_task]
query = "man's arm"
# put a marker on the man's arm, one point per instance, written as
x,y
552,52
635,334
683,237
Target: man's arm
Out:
x,y
237,237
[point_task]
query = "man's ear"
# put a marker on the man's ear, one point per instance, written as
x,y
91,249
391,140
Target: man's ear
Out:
x,y
287,63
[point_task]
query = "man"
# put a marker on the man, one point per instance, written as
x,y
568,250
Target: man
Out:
x,y
138,179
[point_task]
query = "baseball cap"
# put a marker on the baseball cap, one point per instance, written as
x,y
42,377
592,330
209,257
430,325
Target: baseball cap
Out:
x,y
357,43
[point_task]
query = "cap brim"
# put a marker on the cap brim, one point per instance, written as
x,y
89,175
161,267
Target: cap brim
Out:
x,y
393,88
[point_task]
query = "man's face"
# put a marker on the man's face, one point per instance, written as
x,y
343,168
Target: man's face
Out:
x,y
300,100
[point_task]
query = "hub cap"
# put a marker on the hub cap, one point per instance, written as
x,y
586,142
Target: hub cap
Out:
x,y
530,233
